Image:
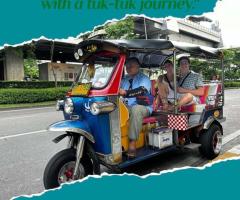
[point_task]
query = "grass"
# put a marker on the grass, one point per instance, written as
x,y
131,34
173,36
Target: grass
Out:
x,y
27,105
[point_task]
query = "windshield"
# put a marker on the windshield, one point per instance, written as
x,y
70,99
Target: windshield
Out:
x,y
97,71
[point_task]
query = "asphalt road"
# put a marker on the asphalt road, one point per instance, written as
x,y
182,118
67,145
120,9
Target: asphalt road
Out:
x,y
26,147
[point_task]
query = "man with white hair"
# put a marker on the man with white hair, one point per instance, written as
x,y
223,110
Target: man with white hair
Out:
x,y
137,82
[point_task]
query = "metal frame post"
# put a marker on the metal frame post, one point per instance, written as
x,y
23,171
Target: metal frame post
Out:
x,y
145,28
175,82
223,80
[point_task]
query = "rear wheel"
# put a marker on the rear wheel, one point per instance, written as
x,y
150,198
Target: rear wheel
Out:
x,y
60,168
211,142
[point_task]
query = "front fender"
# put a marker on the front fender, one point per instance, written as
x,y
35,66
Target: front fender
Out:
x,y
74,126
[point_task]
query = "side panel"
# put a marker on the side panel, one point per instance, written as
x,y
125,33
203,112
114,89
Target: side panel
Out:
x,y
99,125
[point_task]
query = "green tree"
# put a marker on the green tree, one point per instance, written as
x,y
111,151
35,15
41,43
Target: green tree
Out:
x,y
30,62
208,68
232,63
31,68
123,29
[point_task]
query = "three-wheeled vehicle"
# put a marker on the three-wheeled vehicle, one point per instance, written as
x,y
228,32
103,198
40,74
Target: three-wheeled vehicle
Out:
x,y
96,117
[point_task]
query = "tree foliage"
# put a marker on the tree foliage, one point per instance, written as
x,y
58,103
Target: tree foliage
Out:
x,y
123,29
30,62
232,64
31,68
208,68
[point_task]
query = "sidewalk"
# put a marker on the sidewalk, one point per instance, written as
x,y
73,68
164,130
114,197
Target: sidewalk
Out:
x,y
233,152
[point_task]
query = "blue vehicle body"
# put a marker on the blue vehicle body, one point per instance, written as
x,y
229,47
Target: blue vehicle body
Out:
x,y
96,126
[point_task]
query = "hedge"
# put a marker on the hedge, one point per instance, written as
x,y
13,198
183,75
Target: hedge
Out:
x,y
232,84
51,84
33,84
15,96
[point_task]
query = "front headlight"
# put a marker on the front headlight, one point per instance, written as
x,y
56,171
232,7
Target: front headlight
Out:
x,y
68,106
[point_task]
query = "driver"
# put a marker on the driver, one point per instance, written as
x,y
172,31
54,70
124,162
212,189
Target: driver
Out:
x,y
135,81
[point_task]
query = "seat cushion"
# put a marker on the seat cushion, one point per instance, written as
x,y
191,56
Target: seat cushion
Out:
x,y
193,108
204,97
150,120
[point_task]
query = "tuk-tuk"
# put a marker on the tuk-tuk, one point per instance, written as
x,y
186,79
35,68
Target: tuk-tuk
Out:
x,y
96,118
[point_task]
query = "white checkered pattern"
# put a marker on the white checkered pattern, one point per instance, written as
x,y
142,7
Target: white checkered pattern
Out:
x,y
178,122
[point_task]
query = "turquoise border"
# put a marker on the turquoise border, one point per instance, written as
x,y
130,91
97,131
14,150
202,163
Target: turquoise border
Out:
x,y
221,182
22,20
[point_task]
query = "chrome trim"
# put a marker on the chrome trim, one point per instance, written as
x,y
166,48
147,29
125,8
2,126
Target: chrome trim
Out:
x,y
108,159
60,105
70,142
210,120
79,153
74,117
175,81
218,146
102,107
68,106
74,130
114,119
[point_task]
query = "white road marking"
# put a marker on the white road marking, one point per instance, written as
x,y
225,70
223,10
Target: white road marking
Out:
x,y
8,118
230,137
22,134
19,110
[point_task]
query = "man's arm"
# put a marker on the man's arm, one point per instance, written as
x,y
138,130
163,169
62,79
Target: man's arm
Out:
x,y
197,92
122,91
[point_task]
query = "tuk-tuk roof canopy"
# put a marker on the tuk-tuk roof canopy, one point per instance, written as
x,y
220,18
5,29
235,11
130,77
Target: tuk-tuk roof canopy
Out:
x,y
159,45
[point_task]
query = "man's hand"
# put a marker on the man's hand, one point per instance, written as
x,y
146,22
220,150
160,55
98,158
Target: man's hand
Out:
x,y
122,92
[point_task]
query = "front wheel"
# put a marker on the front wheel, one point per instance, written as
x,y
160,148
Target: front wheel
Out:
x,y
60,168
211,142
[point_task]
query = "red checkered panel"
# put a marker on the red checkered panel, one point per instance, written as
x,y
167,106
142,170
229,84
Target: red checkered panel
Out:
x,y
178,122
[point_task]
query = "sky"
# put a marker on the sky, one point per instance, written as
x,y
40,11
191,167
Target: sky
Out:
x,y
227,12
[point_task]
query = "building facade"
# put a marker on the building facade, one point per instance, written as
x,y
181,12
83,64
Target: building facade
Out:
x,y
62,71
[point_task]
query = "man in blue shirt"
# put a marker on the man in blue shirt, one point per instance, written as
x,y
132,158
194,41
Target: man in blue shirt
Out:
x,y
134,80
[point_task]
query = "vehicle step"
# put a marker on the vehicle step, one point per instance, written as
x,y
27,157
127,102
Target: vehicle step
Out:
x,y
192,146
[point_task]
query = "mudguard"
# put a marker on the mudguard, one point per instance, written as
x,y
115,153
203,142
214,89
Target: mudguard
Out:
x,y
74,126
212,120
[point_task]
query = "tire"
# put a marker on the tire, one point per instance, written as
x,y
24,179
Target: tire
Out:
x,y
55,168
211,142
